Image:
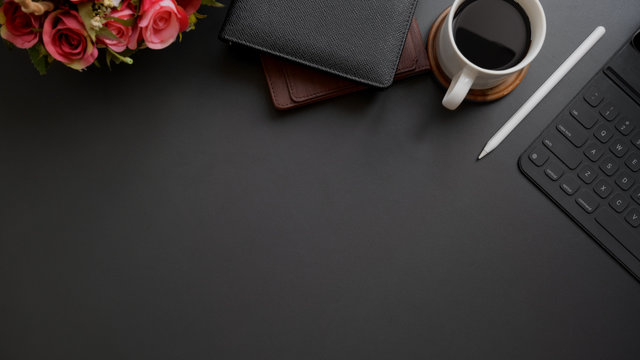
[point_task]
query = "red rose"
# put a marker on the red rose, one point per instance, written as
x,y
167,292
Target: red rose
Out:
x,y
189,6
20,28
127,35
66,39
161,21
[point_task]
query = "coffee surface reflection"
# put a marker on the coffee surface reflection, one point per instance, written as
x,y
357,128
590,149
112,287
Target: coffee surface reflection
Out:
x,y
492,34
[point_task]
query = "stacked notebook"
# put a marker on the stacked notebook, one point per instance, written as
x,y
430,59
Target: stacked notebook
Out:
x,y
313,50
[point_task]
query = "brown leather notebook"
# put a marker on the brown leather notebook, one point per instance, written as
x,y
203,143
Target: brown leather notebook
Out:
x,y
292,85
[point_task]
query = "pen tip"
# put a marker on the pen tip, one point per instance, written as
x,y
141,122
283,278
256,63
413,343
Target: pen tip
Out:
x,y
482,154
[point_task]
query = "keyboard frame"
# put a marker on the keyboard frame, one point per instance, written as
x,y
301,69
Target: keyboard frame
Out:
x,y
567,203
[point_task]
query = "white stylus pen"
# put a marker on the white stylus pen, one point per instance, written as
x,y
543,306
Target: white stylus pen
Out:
x,y
548,85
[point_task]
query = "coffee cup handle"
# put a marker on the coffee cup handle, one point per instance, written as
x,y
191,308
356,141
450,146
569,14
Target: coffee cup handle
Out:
x,y
459,88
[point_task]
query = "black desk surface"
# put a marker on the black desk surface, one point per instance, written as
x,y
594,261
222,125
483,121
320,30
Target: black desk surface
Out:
x,y
167,211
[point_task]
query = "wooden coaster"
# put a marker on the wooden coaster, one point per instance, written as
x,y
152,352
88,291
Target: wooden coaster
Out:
x,y
483,95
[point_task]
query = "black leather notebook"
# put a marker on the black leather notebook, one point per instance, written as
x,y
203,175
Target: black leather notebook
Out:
x,y
361,40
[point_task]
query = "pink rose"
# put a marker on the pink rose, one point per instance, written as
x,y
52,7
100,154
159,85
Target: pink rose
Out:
x,y
161,21
189,6
19,28
66,39
127,35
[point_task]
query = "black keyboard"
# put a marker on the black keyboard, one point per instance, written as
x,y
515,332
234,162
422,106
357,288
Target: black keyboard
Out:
x,y
588,159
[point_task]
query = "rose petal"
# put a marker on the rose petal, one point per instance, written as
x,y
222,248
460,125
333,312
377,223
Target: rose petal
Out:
x,y
66,39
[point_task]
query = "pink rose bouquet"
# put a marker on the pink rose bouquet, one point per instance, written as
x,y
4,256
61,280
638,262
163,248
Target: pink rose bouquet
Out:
x,y
77,32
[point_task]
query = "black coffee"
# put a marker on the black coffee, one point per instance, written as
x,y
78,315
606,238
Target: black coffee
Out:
x,y
493,34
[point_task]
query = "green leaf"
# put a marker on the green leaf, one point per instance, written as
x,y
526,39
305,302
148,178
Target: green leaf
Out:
x,y
85,10
193,20
125,22
1,3
213,3
105,32
39,58
127,52
9,44
108,59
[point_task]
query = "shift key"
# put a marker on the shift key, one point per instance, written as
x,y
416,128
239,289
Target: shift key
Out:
x,y
573,131
563,149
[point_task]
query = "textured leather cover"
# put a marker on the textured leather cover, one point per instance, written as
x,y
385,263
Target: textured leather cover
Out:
x,y
292,85
357,39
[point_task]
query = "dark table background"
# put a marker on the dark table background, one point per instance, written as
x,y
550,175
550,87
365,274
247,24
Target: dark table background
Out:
x,y
167,211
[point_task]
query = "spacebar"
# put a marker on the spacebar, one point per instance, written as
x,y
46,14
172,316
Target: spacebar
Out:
x,y
619,230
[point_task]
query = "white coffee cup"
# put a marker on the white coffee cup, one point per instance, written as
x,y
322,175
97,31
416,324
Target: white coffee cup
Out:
x,y
464,74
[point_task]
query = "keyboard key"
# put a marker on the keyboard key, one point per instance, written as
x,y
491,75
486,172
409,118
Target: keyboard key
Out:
x,y
625,181
625,126
618,203
587,202
593,97
585,116
587,174
636,194
603,188
593,151
570,185
618,229
619,147
603,133
561,148
636,139
609,165
538,157
609,111
633,161
633,218
573,131
554,171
